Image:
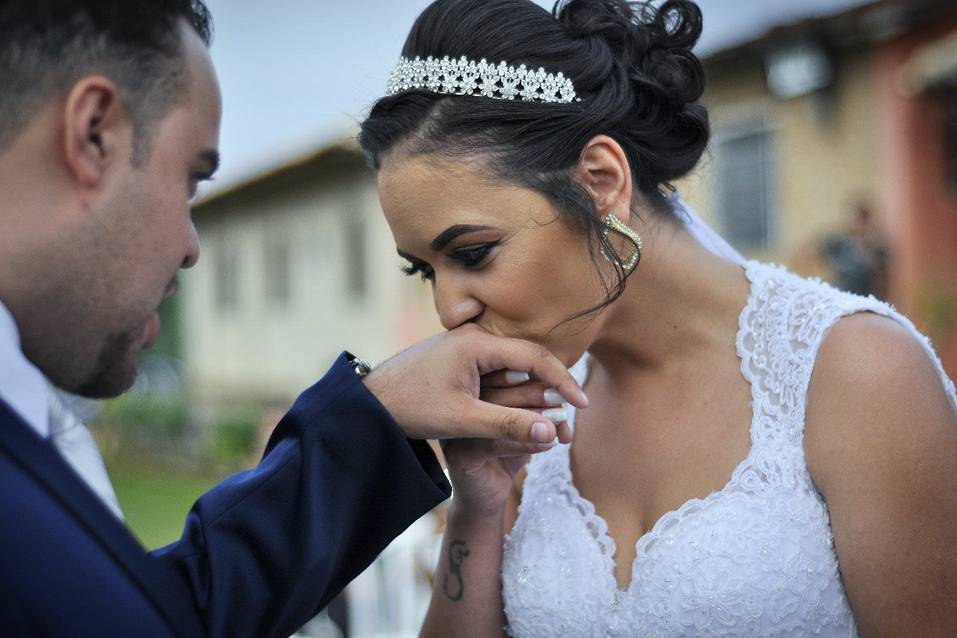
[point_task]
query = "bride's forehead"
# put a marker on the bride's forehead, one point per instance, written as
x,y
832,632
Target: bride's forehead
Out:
x,y
417,189
423,176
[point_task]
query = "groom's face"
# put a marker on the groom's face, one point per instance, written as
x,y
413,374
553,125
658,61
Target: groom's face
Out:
x,y
146,232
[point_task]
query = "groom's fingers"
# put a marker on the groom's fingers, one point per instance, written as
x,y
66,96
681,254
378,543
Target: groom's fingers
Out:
x,y
533,396
504,379
522,356
512,424
527,395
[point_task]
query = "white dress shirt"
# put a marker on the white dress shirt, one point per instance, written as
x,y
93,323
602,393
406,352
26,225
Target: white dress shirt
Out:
x,y
31,395
22,385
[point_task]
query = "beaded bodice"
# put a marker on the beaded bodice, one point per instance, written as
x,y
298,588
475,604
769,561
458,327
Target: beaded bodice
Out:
x,y
755,558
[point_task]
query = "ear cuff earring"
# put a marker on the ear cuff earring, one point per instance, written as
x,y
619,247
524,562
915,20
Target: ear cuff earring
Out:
x,y
613,224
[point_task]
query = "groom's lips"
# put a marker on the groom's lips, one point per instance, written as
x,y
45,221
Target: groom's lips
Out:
x,y
152,331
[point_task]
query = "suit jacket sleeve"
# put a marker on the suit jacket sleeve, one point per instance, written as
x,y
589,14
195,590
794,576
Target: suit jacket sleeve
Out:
x,y
268,548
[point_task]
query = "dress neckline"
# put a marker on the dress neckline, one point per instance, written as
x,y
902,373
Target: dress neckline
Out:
x,y
597,524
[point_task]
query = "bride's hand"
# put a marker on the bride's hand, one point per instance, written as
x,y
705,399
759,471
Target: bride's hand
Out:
x,y
483,470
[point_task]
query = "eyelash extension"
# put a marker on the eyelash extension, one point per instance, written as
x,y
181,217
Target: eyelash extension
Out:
x,y
474,255
469,257
419,268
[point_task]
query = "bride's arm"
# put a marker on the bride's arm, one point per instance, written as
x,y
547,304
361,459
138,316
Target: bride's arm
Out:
x,y
881,445
467,589
466,592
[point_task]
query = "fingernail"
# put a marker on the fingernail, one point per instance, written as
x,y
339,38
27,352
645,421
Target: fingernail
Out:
x,y
553,397
548,446
541,432
513,378
555,415
584,397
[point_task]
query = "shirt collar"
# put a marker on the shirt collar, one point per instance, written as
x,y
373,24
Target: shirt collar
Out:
x,y
22,385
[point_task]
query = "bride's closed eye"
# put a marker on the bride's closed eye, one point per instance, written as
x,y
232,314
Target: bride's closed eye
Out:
x,y
419,268
470,257
473,256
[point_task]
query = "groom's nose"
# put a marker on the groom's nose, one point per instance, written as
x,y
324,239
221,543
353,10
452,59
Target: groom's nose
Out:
x,y
192,248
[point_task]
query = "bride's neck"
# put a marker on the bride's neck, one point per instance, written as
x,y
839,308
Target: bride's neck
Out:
x,y
681,300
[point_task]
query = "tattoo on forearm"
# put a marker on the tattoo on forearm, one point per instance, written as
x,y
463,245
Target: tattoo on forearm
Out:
x,y
454,587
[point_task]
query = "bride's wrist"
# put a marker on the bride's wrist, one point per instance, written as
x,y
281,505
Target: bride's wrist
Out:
x,y
469,514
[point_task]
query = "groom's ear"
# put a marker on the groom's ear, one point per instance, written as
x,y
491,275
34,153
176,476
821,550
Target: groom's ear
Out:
x,y
97,131
603,169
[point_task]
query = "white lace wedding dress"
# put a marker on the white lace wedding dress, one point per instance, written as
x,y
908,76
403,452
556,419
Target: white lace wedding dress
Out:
x,y
753,559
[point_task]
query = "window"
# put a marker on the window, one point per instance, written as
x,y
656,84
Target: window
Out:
x,y
745,173
355,245
227,278
278,269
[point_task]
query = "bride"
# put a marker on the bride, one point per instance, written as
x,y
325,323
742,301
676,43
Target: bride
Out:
x,y
762,456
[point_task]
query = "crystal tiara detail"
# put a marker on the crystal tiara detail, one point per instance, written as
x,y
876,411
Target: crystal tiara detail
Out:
x,y
468,77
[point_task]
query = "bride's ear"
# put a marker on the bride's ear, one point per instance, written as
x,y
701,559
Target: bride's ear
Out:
x,y
604,171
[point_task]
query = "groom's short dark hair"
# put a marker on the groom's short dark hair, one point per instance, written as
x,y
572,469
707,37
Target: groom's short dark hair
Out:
x,y
47,45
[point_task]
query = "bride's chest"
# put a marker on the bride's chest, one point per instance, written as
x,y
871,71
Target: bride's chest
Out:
x,y
723,560
634,466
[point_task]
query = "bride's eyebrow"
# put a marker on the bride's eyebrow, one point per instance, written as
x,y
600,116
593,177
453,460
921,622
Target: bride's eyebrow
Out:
x,y
446,236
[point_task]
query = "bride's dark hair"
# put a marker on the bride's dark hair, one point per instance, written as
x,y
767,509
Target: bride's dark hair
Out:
x,y
631,64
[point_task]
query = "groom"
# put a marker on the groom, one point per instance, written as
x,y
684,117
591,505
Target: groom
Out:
x,y
109,118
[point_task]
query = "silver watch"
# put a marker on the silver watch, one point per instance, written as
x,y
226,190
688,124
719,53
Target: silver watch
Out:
x,y
360,365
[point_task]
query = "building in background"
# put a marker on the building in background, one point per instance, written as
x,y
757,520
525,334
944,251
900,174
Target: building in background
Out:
x,y
297,265
819,119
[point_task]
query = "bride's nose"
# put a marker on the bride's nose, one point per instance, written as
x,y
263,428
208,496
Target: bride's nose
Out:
x,y
455,305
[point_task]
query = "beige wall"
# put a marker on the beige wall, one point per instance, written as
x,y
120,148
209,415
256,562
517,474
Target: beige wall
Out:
x,y
823,164
266,350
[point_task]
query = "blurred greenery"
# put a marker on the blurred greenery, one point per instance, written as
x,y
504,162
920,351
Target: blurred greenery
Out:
x,y
940,309
161,456
235,438
156,502
158,431
147,417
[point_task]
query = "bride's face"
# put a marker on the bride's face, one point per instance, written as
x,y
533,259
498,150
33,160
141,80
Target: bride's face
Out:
x,y
495,253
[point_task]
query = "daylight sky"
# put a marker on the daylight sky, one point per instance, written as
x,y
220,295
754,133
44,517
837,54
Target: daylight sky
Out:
x,y
296,74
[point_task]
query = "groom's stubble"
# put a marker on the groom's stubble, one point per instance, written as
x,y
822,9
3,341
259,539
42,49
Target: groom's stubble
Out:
x,y
115,369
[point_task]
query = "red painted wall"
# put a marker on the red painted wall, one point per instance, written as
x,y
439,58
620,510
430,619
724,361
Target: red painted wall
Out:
x,y
918,202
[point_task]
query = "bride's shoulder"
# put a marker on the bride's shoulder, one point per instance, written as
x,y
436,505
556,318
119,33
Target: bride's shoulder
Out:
x,y
877,392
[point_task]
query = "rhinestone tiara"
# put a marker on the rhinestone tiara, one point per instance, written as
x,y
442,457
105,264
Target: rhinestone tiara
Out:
x,y
468,77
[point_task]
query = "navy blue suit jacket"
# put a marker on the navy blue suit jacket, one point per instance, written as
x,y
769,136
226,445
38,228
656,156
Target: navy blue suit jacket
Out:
x,y
261,553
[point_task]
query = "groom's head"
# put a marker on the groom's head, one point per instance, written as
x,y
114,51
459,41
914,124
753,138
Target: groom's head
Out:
x,y
109,117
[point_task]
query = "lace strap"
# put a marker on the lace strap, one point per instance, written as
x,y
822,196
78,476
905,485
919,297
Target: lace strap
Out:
x,y
814,309
848,304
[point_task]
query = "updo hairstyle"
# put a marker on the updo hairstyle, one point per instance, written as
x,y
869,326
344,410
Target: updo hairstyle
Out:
x,y
631,65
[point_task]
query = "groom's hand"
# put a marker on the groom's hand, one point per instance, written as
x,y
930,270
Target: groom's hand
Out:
x,y
433,389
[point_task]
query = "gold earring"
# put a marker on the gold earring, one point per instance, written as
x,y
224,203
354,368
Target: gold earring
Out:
x,y
612,223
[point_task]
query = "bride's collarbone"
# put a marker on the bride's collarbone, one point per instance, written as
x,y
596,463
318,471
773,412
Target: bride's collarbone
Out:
x,y
636,464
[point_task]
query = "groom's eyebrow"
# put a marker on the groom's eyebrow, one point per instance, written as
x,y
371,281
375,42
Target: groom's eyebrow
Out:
x,y
446,236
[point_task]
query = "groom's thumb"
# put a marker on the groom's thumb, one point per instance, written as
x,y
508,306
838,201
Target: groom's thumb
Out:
x,y
496,422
